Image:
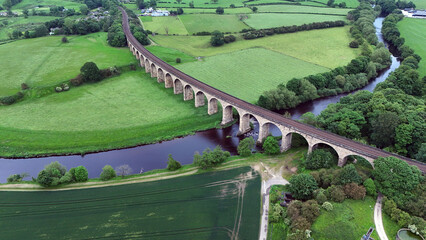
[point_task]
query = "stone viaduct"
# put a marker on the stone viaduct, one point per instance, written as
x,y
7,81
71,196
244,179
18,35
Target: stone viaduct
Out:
x,y
203,94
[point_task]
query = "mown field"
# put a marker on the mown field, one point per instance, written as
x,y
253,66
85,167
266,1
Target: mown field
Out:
x,y
210,22
349,3
420,4
302,9
22,24
28,4
270,20
199,3
391,227
348,220
246,74
118,112
215,205
414,32
163,25
326,47
213,10
45,61
283,2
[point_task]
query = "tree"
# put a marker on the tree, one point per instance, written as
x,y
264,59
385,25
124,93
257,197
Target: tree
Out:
x,y
81,174
271,146
173,165
217,39
90,72
51,174
220,10
84,9
64,39
179,11
354,191
370,188
336,193
383,129
141,4
107,173
191,4
349,175
254,9
277,99
210,158
320,158
41,31
245,146
302,186
123,170
421,155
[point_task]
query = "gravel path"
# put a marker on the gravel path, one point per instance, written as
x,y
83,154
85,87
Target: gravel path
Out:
x,y
378,218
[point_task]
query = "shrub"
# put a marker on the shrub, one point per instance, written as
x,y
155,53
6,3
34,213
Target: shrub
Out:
x,y
67,178
90,72
107,173
336,193
58,89
319,158
51,174
370,188
77,81
321,198
245,146
354,44
302,186
16,177
220,10
178,60
81,174
210,158
24,86
354,191
348,175
172,164
64,39
327,206
271,146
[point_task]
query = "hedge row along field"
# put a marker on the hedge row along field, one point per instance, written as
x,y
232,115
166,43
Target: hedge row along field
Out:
x,y
302,9
414,33
215,205
270,20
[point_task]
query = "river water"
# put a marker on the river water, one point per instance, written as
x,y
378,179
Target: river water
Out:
x,y
154,156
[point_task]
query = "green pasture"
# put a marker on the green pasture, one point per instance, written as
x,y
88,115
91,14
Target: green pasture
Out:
x,y
29,4
210,22
213,10
162,25
248,73
214,205
199,3
420,4
123,111
302,9
45,61
326,47
391,227
22,24
414,32
348,220
170,55
349,3
283,2
270,20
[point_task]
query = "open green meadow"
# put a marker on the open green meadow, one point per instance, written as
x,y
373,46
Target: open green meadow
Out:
x,y
213,10
199,3
420,4
391,227
349,3
326,47
214,205
169,55
118,112
163,25
210,22
46,61
414,32
283,2
22,24
29,4
348,220
302,9
248,73
270,20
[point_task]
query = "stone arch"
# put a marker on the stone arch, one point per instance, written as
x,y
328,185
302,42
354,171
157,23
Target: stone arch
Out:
x,y
153,70
291,139
160,75
142,61
212,104
227,114
199,99
335,151
137,54
270,128
355,158
177,85
188,93
168,83
147,66
244,124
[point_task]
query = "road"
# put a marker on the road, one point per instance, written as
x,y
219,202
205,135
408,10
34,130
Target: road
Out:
x,y
378,218
270,178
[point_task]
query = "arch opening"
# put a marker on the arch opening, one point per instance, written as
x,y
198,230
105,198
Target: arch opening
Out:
x,y
200,99
212,106
160,75
358,161
137,54
142,61
295,140
327,148
227,114
147,66
153,70
188,93
177,84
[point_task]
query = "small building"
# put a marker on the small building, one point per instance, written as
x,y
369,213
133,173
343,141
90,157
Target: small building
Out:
x,y
419,13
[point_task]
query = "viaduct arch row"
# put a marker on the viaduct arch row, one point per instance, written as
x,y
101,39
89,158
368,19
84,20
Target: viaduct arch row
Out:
x,y
204,94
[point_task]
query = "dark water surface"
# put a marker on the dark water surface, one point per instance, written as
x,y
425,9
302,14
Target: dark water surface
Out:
x,y
154,156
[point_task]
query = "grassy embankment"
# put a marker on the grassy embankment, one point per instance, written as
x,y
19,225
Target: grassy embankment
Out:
x,y
391,227
212,205
414,32
46,61
348,220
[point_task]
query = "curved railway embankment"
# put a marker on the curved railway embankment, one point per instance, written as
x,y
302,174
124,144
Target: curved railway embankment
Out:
x,y
343,146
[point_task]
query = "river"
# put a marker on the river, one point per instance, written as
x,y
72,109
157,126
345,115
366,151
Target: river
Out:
x,y
154,156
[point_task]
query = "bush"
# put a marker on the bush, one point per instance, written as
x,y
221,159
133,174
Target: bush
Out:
x,y
336,193
321,198
302,186
16,177
319,158
349,175
24,86
107,173
67,178
77,81
210,158
354,44
327,206
178,60
271,146
220,10
370,188
354,191
245,146
172,164
64,39
51,174
217,39
81,174
90,72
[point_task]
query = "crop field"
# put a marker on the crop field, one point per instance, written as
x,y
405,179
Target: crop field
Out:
x,y
248,73
199,3
327,47
210,22
22,24
270,20
163,25
348,220
216,205
414,32
302,9
28,4
45,61
127,110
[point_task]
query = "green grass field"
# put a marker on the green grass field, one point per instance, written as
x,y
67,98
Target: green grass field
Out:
x,y
45,61
270,20
213,10
163,25
283,2
349,3
391,227
348,220
215,205
326,47
118,112
414,32
22,24
302,9
28,4
248,73
420,4
169,55
210,22
200,3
